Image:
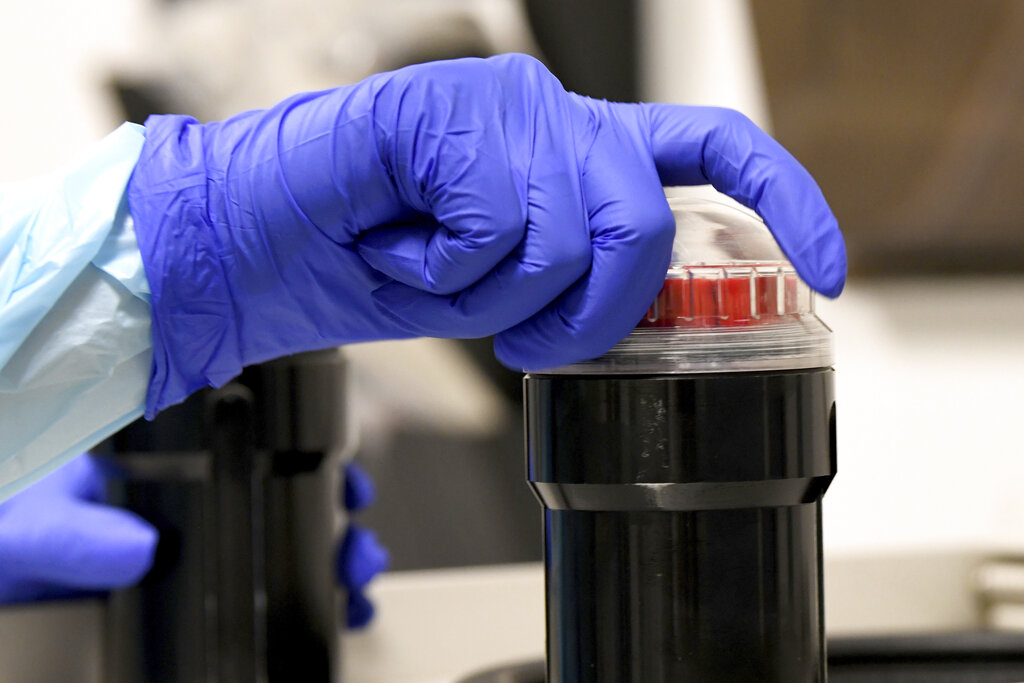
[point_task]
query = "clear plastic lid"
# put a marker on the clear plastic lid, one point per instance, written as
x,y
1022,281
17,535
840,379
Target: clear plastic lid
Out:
x,y
731,302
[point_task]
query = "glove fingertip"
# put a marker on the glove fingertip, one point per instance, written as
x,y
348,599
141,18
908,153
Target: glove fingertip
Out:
x,y
140,552
122,556
833,291
835,271
360,558
822,263
359,489
360,610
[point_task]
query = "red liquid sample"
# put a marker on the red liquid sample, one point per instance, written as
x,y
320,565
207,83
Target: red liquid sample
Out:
x,y
734,302
723,302
767,287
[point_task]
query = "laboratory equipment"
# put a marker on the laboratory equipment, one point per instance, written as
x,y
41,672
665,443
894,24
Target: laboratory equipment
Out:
x,y
242,484
682,474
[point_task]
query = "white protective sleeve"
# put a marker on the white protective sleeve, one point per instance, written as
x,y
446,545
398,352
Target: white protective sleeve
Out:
x,y
75,341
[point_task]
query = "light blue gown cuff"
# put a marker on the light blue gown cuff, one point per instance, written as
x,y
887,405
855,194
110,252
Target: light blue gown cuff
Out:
x,y
75,341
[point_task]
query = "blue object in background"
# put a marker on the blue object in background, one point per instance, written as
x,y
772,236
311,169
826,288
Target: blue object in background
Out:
x,y
60,540
360,555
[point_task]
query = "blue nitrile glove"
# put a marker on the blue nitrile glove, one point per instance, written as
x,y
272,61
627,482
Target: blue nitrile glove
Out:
x,y
59,540
455,199
360,556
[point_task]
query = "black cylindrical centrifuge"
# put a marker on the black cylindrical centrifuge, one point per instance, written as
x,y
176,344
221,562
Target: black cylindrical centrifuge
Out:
x,y
682,475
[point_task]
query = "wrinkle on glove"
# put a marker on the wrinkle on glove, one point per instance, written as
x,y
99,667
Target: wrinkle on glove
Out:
x,y
450,199
59,540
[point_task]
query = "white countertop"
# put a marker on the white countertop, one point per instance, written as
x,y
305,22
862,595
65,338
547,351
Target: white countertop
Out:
x,y
437,626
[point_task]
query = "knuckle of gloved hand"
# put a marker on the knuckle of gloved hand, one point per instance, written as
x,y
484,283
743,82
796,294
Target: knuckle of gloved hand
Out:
x,y
575,256
519,71
448,79
654,223
732,123
501,231
520,63
429,97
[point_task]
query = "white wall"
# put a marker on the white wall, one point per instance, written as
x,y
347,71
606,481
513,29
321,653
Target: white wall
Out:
x,y
55,55
930,414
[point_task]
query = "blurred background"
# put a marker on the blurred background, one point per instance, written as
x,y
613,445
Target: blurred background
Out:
x,y
910,115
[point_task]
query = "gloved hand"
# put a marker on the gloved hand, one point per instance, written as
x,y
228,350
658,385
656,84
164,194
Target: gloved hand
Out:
x,y
59,540
453,199
360,556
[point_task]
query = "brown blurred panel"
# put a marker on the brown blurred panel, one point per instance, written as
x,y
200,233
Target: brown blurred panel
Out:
x,y
911,116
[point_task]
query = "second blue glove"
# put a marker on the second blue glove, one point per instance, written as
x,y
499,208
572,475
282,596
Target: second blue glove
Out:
x,y
360,555
59,539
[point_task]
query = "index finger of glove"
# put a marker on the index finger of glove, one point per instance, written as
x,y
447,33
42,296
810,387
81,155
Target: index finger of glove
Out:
x,y
444,142
700,145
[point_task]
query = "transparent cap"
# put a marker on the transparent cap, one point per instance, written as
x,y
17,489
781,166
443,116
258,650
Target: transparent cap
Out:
x,y
731,303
